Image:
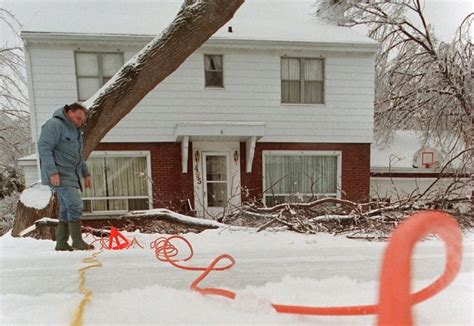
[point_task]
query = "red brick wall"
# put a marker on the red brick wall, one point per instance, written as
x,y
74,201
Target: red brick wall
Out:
x,y
170,185
355,167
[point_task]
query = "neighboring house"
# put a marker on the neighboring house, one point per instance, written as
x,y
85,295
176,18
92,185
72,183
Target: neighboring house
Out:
x,y
30,169
407,167
275,105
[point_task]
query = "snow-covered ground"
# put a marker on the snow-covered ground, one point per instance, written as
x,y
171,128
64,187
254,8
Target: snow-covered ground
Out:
x,y
41,286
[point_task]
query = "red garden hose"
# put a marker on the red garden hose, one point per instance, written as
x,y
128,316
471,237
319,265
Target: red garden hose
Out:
x,y
395,298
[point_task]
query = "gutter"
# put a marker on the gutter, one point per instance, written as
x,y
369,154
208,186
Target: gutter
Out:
x,y
244,43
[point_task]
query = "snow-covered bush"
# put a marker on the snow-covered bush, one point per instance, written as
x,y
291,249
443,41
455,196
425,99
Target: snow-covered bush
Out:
x,y
7,212
11,180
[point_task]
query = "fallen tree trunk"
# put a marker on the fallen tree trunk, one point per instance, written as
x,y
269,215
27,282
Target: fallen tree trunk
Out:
x,y
47,222
166,215
165,218
195,22
296,217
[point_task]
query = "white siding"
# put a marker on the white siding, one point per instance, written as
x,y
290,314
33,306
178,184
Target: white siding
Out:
x,y
31,174
54,81
251,94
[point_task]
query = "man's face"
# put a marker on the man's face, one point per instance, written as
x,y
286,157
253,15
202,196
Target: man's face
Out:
x,y
77,117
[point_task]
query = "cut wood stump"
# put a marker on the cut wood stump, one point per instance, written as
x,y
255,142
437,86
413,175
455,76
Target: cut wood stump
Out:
x,y
36,202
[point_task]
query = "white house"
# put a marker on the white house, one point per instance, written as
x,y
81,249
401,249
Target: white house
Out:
x,y
276,105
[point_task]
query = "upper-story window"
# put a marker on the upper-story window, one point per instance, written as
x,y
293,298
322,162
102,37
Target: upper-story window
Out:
x,y
302,80
213,69
94,69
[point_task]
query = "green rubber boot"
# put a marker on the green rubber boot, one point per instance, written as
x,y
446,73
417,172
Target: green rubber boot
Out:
x,y
76,235
62,236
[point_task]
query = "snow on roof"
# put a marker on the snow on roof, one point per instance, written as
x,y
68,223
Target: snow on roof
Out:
x,y
269,20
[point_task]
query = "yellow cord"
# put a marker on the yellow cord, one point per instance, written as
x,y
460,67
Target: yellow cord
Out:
x,y
77,321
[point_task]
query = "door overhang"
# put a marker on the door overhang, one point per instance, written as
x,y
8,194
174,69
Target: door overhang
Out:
x,y
219,131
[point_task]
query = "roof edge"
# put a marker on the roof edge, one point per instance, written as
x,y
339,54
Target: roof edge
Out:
x,y
31,37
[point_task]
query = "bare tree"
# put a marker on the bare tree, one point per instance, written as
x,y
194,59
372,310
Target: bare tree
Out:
x,y
15,139
422,83
14,117
15,134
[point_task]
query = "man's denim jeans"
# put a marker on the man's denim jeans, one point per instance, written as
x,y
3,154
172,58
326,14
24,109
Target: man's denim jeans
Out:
x,y
70,203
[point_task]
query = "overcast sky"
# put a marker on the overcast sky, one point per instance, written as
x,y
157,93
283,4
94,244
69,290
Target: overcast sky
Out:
x,y
445,15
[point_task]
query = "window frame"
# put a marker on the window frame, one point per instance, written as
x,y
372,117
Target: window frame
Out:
x,y
301,59
100,68
338,155
205,70
145,154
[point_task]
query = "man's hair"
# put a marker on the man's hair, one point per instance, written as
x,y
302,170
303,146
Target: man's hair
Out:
x,y
74,107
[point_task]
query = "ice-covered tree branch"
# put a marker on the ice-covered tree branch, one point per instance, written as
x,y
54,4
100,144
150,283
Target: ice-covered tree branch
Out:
x,y
421,83
14,116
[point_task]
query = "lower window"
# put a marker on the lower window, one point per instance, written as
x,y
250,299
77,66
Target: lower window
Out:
x,y
300,176
119,184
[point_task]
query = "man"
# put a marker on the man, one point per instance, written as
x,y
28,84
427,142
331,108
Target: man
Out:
x,y
62,164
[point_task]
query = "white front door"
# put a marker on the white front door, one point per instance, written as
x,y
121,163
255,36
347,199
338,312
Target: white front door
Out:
x,y
216,183
216,178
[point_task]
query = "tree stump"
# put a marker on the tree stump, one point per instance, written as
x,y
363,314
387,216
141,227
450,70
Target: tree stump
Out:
x,y
36,202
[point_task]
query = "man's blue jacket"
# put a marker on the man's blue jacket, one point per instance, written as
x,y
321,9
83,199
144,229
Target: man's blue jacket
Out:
x,y
60,150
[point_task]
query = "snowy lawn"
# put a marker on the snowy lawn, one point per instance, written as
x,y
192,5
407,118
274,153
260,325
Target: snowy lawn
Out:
x,y
41,286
